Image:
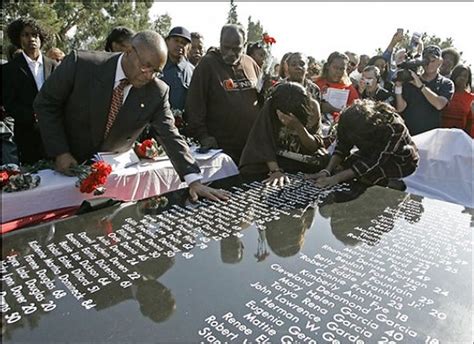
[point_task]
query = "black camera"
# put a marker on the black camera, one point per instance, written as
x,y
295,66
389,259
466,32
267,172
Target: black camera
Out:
x,y
404,68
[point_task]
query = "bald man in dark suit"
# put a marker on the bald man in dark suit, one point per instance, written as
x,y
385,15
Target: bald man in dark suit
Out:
x,y
75,108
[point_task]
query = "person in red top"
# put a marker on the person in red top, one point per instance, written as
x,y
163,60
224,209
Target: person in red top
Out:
x,y
334,76
459,111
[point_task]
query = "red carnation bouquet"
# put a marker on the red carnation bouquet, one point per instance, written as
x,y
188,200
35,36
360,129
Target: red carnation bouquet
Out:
x,y
148,149
6,173
268,41
92,178
13,179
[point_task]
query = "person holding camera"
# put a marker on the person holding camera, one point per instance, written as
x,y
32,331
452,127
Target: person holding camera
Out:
x,y
369,87
395,57
421,99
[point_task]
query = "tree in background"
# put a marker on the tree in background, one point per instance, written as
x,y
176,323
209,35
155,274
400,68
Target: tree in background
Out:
x,y
434,40
232,17
79,24
254,30
162,24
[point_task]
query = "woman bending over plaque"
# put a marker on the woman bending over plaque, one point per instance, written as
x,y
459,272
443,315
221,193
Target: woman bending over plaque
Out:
x,y
384,152
285,136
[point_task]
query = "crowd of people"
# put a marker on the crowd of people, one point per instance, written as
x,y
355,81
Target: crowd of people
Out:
x,y
303,116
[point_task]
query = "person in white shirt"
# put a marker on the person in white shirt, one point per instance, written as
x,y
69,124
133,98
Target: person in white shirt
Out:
x,y
22,78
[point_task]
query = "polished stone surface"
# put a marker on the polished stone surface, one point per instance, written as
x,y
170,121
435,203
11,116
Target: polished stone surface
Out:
x,y
289,265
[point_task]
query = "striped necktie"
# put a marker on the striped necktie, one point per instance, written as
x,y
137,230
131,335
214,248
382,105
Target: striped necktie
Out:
x,y
115,104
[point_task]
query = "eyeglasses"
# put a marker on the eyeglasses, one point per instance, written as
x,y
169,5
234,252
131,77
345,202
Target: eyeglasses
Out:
x,y
146,68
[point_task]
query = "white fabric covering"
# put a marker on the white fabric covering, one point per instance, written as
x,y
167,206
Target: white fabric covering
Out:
x,y
133,183
446,168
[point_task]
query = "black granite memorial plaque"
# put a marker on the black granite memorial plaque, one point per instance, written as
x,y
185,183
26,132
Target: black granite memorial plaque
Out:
x,y
272,265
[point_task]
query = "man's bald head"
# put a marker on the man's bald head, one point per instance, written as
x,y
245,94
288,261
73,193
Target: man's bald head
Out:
x,y
232,43
233,30
145,57
151,41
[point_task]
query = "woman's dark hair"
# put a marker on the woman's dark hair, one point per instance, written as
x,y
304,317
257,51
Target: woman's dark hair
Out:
x,y
16,27
119,35
384,74
458,70
291,97
252,47
333,56
284,59
363,118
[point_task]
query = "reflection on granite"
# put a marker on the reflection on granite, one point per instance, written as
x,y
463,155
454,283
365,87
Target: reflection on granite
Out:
x,y
274,264
348,217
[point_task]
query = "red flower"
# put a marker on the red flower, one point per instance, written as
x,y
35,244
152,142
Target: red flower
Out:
x,y
268,39
148,149
147,143
4,176
102,168
94,177
228,84
87,185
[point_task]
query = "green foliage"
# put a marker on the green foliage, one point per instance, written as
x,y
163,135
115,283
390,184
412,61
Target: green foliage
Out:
x,y
434,40
254,30
90,20
232,17
162,24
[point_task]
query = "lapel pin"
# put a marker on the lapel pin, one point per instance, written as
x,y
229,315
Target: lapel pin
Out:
x,y
142,105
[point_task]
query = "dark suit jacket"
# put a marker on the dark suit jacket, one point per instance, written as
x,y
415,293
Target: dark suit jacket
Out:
x,y
73,105
19,91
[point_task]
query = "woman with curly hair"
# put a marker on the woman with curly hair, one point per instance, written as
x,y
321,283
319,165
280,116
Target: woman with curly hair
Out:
x,y
22,79
385,151
285,136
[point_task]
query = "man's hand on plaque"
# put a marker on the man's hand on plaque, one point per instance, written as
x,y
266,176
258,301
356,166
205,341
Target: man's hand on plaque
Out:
x,y
196,190
277,178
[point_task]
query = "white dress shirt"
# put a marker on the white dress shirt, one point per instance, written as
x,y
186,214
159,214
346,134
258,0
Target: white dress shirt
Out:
x,y
36,68
119,75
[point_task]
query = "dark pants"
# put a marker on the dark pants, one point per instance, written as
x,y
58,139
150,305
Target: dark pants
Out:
x,y
30,145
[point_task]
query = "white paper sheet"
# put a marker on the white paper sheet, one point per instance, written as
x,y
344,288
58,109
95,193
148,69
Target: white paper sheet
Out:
x,y
204,156
336,97
119,160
